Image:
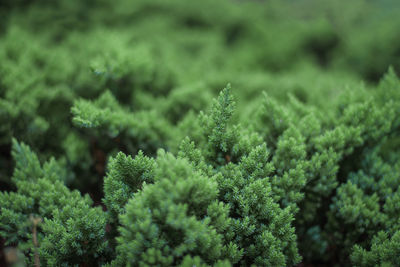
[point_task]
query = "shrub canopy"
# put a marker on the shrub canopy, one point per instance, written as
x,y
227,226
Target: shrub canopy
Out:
x,y
212,133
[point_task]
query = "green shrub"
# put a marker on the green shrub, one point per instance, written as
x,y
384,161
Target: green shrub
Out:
x,y
113,151
71,232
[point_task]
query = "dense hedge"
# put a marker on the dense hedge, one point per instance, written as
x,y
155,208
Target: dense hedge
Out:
x,y
210,133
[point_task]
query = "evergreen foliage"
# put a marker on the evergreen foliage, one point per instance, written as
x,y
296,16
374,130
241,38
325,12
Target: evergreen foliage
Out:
x,y
119,148
71,232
